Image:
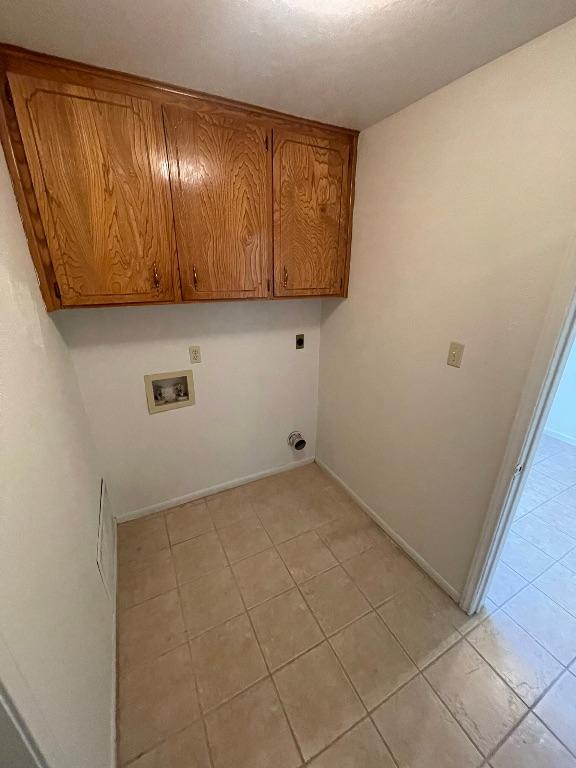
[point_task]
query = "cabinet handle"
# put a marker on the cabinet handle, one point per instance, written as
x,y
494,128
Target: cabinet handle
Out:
x,y
156,276
195,277
285,278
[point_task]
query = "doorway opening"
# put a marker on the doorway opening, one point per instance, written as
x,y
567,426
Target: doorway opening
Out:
x,y
524,572
536,571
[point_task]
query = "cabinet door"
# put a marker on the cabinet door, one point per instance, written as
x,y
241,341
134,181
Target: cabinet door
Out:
x,y
311,204
220,175
99,170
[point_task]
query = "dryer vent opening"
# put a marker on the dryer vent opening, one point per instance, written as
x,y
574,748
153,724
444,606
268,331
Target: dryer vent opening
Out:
x,y
296,441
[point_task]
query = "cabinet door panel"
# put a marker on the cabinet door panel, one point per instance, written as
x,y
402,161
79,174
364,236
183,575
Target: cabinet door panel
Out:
x,y
220,176
311,183
99,169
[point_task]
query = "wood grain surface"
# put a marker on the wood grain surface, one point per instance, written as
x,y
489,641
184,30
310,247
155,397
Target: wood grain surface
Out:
x,y
310,213
108,168
99,169
219,175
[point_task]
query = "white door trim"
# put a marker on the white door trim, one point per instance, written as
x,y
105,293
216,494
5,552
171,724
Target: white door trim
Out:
x,y
552,350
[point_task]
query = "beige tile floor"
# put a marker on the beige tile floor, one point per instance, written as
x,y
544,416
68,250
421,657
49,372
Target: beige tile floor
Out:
x,y
276,626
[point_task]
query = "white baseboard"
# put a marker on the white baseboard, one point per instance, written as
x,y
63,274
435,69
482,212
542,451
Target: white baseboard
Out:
x,y
570,439
168,503
113,729
113,732
412,554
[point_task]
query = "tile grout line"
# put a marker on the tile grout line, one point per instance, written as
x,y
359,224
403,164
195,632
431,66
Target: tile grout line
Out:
x,y
550,525
327,640
194,675
529,708
533,511
532,583
350,682
551,498
566,747
418,673
149,662
273,544
570,613
530,711
202,717
327,637
565,668
554,496
373,607
447,708
369,711
376,608
567,448
230,565
249,617
178,585
528,632
422,673
491,752
304,652
366,718
295,585
528,581
164,740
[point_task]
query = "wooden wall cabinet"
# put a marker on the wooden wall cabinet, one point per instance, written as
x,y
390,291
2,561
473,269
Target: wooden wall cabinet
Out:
x,y
311,213
134,192
220,179
98,165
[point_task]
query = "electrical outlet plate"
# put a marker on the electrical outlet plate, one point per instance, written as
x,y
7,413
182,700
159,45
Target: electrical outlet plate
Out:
x,y
455,354
195,356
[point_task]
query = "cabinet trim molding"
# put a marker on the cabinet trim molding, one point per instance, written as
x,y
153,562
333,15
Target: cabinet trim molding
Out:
x,y
26,61
26,199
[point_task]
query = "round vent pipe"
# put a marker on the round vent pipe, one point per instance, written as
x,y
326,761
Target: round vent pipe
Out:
x,y
296,441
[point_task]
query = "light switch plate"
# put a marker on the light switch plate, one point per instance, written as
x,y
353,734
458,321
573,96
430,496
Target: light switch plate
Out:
x,y
195,356
455,354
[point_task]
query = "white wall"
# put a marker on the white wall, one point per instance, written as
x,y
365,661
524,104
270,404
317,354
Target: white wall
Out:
x,y
252,389
561,421
56,622
465,211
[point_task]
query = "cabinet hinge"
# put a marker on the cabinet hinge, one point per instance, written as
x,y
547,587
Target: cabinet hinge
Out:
x,y
341,283
268,285
57,291
266,142
8,93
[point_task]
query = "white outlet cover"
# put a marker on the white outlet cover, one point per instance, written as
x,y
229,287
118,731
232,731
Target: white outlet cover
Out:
x,y
195,356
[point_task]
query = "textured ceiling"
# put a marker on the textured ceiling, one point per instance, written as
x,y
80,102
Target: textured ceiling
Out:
x,y
350,62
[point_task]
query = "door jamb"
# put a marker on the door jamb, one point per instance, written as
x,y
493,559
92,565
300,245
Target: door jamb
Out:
x,y
541,385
